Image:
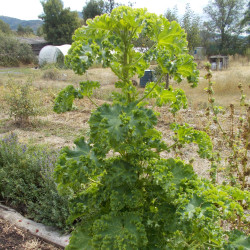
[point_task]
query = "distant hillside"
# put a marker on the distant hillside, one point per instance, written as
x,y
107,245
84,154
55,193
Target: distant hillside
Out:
x,y
14,22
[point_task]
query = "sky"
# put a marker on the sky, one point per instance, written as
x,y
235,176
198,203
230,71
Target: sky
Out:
x,y
31,9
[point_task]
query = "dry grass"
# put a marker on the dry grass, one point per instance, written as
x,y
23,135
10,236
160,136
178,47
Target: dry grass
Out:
x,y
58,130
225,86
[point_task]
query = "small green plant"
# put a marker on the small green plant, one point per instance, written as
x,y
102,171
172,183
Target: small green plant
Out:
x,y
236,137
123,194
51,73
22,101
26,182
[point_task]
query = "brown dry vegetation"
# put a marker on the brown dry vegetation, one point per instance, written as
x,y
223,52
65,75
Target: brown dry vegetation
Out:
x,y
58,130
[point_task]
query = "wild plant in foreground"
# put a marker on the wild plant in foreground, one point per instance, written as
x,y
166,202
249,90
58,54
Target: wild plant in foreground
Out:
x,y
123,194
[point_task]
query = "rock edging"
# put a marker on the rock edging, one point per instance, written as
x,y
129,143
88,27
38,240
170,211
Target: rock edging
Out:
x,y
46,233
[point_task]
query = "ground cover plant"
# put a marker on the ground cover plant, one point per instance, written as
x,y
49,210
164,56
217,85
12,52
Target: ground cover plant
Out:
x,y
123,193
27,184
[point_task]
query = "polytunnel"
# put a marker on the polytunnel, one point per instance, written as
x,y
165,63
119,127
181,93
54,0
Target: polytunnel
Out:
x,y
53,54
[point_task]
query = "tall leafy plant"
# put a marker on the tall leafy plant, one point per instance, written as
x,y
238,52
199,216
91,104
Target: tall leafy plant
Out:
x,y
123,194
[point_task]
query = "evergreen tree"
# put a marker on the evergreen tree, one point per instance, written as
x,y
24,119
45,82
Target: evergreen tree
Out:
x,y
59,23
172,15
191,24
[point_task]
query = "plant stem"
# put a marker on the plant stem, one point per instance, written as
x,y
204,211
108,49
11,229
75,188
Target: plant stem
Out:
x,y
92,101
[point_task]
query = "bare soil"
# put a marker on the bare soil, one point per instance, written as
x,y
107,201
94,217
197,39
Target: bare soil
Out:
x,y
12,237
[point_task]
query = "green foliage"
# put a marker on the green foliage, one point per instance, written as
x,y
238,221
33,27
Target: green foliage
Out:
x,y
26,182
172,15
59,23
224,23
186,134
176,98
14,53
64,100
4,27
122,193
191,24
22,101
39,31
24,30
95,8
92,8
50,72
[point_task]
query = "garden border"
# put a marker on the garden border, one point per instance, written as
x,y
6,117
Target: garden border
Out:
x,y
46,233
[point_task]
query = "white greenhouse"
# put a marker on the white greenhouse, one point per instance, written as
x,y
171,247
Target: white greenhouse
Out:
x,y
53,54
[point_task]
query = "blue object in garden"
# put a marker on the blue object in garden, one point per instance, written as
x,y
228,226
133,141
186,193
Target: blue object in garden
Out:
x,y
148,77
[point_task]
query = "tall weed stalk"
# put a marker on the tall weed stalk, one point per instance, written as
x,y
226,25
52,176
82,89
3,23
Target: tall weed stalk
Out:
x,y
236,135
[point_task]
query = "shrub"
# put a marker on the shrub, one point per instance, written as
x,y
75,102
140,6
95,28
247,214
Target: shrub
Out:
x,y
26,182
51,72
23,101
14,53
5,28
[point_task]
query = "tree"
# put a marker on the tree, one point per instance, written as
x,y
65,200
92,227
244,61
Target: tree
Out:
x,y
109,5
21,30
98,7
39,31
92,8
191,24
59,23
172,15
224,19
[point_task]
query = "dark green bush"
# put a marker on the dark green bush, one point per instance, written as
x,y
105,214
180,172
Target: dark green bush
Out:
x,y
14,53
26,182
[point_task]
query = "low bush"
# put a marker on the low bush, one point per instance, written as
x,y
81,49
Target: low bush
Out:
x,y
26,182
14,53
51,72
22,101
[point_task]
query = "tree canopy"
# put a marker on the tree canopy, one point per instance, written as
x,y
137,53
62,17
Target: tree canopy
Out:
x,y
21,30
190,22
95,8
224,21
59,23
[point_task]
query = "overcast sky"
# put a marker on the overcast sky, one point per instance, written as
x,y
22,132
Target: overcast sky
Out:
x,y
31,9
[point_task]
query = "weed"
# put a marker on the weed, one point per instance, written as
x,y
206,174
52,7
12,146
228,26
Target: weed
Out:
x,y
23,101
236,137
